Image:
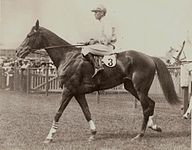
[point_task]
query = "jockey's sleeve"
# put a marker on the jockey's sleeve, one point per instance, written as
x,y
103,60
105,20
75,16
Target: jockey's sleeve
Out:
x,y
108,35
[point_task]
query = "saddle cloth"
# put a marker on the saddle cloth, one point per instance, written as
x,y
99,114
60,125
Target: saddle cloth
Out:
x,y
108,60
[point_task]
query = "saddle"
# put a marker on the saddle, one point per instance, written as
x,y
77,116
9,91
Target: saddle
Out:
x,y
98,61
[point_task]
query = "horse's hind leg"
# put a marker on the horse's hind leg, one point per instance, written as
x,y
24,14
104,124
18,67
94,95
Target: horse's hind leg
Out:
x,y
146,103
129,87
151,105
66,97
150,123
148,106
146,113
142,83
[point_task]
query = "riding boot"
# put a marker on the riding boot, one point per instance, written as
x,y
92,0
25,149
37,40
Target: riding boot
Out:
x,y
98,67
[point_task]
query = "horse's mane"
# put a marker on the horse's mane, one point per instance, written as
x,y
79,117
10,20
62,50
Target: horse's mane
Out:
x,y
52,36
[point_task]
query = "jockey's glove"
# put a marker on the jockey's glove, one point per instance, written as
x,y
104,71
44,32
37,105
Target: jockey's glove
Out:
x,y
92,42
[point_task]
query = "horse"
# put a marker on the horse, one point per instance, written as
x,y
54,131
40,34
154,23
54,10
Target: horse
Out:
x,y
134,69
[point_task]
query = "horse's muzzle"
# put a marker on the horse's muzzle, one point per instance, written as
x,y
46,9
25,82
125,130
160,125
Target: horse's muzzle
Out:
x,y
22,52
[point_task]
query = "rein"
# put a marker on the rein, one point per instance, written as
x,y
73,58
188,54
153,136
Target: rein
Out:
x,y
61,46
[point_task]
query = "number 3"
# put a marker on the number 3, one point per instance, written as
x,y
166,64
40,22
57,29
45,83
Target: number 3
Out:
x,y
110,62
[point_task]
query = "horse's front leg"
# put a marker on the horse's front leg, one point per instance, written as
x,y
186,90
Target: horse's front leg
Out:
x,y
66,97
85,108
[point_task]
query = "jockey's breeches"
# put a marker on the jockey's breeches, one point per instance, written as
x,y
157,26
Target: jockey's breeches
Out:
x,y
97,49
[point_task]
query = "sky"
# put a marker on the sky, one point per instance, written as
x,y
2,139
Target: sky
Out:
x,y
149,26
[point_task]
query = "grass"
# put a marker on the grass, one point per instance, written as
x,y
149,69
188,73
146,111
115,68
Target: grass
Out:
x,y
25,121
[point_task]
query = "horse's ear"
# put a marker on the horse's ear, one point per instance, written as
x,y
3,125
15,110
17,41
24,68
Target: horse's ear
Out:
x,y
37,25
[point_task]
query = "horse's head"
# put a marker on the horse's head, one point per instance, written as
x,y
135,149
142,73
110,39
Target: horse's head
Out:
x,y
32,42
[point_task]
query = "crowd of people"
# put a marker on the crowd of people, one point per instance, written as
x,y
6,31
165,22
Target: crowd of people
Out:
x,y
8,66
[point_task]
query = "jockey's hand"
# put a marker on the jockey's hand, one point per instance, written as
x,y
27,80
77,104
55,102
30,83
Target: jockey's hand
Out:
x,y
93,41
84,43
90,42
104,41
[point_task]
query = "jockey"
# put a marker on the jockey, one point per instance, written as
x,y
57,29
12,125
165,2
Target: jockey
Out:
x,y
103,44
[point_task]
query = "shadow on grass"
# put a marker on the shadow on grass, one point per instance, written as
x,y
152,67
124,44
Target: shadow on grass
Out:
x,y
170,134
123,136
155,135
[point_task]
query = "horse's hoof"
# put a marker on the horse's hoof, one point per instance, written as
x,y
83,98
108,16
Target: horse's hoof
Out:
x,y
137,138
47,141
186,116
156,128
91,138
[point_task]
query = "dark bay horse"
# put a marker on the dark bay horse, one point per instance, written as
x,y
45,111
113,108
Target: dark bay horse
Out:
x,y
134,69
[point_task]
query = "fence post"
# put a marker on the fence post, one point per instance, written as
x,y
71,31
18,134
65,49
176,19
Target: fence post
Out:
x,y
47,79
1,77
135,102
21,76
28,80
98,96
15,77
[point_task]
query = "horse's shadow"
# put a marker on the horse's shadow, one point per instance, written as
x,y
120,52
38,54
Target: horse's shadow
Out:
x,y
170,134
155,135
128,136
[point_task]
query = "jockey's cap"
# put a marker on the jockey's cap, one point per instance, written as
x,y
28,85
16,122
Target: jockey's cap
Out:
x,y
100,8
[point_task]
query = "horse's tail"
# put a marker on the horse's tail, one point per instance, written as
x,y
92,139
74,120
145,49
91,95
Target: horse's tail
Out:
x,y
166,81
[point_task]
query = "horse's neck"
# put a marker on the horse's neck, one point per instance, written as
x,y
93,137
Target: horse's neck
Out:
x,y
58,55
51,39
